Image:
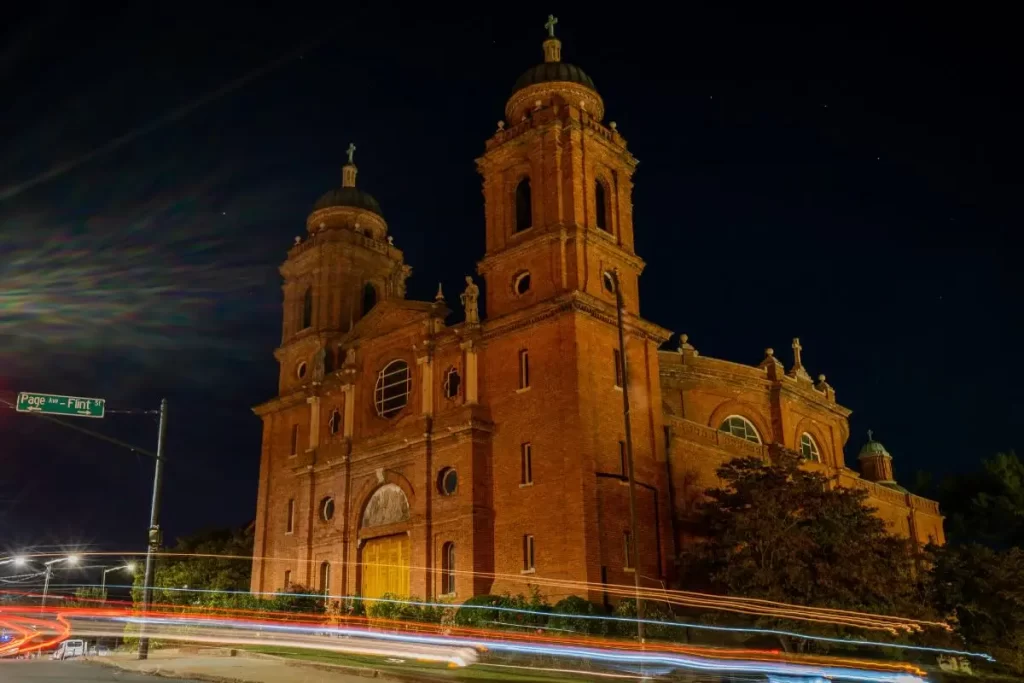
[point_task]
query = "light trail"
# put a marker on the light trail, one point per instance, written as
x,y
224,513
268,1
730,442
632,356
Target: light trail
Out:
x,y
750,606
608,618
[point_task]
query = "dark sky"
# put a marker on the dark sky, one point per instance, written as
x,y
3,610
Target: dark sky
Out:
x,y
852,179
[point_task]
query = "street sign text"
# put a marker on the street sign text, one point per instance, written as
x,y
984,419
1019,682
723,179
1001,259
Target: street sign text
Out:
x,y
61,405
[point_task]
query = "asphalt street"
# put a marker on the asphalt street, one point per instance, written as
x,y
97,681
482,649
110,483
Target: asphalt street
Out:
x,y
43,671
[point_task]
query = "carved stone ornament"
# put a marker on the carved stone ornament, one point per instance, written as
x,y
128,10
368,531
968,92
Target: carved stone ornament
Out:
x,y
388,505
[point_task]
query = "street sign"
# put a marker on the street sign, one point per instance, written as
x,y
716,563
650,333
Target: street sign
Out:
x,y
60,405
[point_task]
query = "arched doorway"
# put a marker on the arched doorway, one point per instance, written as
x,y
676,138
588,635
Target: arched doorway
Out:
x,y
384,560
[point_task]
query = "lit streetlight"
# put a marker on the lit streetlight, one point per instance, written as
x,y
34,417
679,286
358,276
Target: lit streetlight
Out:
x,y
17,561
130,567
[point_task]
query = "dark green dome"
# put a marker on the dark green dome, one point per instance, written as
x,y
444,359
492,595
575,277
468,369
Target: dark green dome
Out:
x,y
348,196
554,71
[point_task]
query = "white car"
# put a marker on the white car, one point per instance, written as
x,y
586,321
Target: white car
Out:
x,y
69,649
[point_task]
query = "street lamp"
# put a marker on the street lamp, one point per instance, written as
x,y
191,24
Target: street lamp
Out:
x,y
17,561
130,567
70,559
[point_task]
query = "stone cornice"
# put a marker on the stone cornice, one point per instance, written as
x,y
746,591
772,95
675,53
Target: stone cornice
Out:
x,y
577,302
295,398
557,234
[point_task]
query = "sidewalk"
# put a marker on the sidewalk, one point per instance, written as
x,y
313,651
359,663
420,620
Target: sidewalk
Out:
x,y
219,666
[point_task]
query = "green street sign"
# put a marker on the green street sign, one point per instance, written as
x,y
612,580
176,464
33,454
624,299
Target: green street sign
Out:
x,y
60,405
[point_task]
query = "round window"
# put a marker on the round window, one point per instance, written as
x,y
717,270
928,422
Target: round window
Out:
x,y
447,481
521,284
300,370
327,509
609,282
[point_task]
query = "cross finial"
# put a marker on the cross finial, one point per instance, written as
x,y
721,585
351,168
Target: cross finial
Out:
x,y
871,435
550,25
351,151
796,352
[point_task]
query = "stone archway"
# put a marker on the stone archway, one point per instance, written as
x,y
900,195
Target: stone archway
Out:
x,y
384,559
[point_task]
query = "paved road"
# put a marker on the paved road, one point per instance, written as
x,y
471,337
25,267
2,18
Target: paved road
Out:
x,y
43,671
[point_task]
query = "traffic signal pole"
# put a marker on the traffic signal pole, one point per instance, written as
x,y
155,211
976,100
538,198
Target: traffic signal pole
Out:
x,y
154,529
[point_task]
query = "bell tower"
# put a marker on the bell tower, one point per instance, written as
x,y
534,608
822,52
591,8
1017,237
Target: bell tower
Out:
x,y
344,267
557,187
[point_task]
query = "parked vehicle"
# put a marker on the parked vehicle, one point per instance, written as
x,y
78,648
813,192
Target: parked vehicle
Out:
x,y
68,649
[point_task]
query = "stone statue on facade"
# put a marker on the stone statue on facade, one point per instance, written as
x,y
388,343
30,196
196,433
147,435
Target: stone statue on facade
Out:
x,y
470,301
350,356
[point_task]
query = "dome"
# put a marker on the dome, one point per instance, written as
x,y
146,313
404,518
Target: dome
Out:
x,y
548,72
872,448
348,196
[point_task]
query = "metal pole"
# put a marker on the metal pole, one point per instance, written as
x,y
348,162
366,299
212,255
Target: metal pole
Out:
x,y
103,586
46,587
634,536
154,529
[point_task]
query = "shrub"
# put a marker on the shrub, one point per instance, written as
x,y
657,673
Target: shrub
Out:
x,y
568,612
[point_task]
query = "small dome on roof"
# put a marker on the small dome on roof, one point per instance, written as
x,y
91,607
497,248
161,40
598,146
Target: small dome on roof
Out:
x,y
872,448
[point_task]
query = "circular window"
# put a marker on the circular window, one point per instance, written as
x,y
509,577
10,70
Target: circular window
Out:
x,y
391,393
447,481
300,370
609,282
521,284
327,509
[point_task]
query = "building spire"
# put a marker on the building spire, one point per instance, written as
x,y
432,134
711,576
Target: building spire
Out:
x,y
348,171
552,46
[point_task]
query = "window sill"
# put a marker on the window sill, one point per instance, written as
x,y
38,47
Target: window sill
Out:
x,y
529,571
289,533
293,455
527,485
523,389
618,388
447,595
628,570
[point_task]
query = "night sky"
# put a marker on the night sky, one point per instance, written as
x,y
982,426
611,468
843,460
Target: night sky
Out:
x,y
852,179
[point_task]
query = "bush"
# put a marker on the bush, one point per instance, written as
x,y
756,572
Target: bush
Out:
x,y
509,611
568,612
653,611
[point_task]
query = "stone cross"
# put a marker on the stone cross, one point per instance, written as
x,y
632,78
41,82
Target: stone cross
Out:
x,y
870,437
796,352
550,25
351,152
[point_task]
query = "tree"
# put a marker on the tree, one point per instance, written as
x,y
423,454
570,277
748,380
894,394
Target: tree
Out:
x,y
777,531
982,590
986,505
204,568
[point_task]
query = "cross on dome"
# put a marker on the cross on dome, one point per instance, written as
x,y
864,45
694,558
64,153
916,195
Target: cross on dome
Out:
x,y
550,25
351,151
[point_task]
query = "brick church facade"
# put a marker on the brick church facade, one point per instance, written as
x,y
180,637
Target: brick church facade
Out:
x,y
409,455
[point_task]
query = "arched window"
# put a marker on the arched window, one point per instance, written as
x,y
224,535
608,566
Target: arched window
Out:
x,y
741,428
334,422
809,448
524,205
448,569
325,578
307,308
391,393
369,297
602,207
